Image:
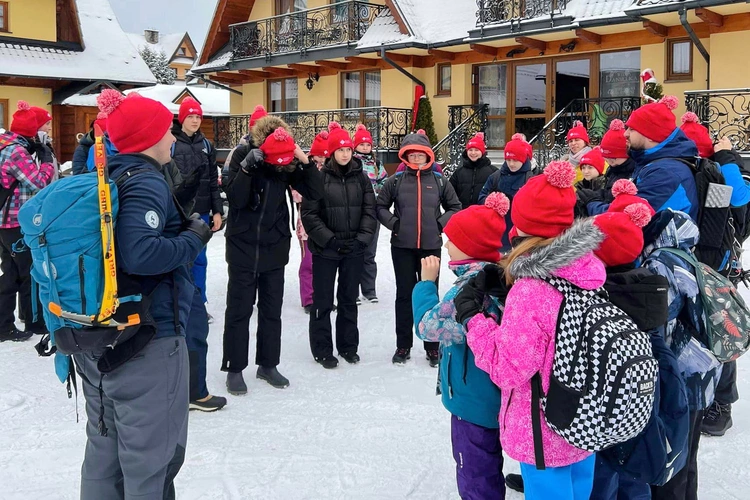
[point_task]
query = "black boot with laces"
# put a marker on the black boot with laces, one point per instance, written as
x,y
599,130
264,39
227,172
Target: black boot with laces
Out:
x,y
401,356
717,420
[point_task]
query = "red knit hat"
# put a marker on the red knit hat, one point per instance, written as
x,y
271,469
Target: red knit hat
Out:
x,y
655,121
478,230
361,135
516,150
320,145
101,120
189,106
24,121
42,116
477,142
338,138
625,193
578,132
613,143
697,133
544,205
258,113
623,232
595,159
522,138
278,147
134,123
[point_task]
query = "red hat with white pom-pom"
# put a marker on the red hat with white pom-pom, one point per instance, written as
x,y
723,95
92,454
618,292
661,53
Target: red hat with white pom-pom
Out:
x,y
516,150
478,230
320,145
544,206
697,133
278,148
258,113
623,232
522,138
361,135
578,132
42,116
134,123
189,106
24,120
624,192
477,142
655,121
338,138
594,159
613,143
101,120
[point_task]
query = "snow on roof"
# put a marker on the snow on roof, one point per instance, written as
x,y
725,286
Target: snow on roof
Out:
x,y
218,61
168,42
214,102
587,9
107,53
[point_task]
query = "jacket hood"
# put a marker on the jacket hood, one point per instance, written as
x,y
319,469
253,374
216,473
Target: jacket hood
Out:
x,y
670,229
677,145
355,166
87,139
569,257
265,127
505,169
11,138
483,161
416,142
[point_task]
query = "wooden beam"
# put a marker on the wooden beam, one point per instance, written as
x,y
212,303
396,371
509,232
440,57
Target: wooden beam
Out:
x,y
656,29
280,71
710,17
483,49
257,74
441,55
363,61
230,77
589,36
531,43
400,58
333,65
229,81
307,68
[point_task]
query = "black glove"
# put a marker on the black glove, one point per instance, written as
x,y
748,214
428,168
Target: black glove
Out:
x,y
360,245
346,246
45,154
196,225
396,227
469,302
491,280
586,196
252,161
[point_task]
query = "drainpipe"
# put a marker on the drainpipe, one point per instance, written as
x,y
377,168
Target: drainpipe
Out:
x,y
401,70
698,44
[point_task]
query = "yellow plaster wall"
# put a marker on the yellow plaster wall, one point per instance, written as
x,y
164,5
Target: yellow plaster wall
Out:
x,y
655,57
33,19
33,95
325,94
727,68
396,90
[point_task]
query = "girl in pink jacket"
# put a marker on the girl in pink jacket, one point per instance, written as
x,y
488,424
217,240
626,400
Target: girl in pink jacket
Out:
x,y
546,243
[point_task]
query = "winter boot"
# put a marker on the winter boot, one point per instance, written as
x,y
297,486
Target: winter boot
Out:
x,y
372,299
351,357
210,318
717,420
433,356
209,404
15,335
236,384
401,356
273,377
329,362
307,309
359,301
514,482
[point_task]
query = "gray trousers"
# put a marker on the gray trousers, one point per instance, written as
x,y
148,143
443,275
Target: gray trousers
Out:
x,y
146,414
370,268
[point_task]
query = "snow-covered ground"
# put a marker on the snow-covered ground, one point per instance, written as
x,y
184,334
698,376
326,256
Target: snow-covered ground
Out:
x,y
368,431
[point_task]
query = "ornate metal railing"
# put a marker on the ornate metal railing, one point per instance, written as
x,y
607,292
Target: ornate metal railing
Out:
x,y
500,11
596,115
335,24
388,126
724,112
463,122
648,3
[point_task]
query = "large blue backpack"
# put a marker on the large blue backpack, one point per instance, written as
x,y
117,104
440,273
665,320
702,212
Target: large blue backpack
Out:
x,y
110,151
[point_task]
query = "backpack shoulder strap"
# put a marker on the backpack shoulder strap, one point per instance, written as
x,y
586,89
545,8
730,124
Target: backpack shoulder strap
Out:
x,y
440,180
397,185
207,145
171,149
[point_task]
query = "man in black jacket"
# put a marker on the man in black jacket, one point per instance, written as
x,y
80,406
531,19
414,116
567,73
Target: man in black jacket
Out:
x,y
257,248
340,226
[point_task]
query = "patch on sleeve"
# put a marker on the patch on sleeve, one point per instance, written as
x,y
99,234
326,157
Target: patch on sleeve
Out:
x,y
152,219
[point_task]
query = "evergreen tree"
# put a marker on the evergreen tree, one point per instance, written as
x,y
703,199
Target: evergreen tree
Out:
x,y
158,63
425,121
653,90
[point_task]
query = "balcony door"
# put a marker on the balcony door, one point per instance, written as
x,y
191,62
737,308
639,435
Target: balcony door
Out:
x,y
531,102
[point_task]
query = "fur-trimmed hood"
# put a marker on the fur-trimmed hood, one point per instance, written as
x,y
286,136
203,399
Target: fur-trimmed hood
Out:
x,y
263,128
572,246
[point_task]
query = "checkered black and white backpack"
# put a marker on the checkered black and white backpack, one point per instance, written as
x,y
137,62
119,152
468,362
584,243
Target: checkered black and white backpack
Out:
x,y
604,374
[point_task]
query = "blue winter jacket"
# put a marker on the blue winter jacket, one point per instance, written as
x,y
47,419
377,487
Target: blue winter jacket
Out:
x,y
662,180
729,163
150,243
506,182
467,391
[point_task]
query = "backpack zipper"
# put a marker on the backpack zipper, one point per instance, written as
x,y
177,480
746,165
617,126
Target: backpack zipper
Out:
x,y
82,280
618,382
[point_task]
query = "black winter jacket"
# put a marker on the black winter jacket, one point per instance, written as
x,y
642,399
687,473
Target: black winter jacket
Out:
x,y
614,174
345,212
417,220
191,155
81,154
507,182
469,178
258,229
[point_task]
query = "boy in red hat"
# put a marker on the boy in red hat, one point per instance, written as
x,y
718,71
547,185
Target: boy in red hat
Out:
x,y
474,170
377,174
26,167
592,170
578,143
258,240
340,226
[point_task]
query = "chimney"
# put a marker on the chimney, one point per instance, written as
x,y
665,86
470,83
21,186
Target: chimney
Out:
x,y
151,36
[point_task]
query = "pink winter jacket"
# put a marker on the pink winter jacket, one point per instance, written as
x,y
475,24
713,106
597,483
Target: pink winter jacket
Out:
x,y
524,343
